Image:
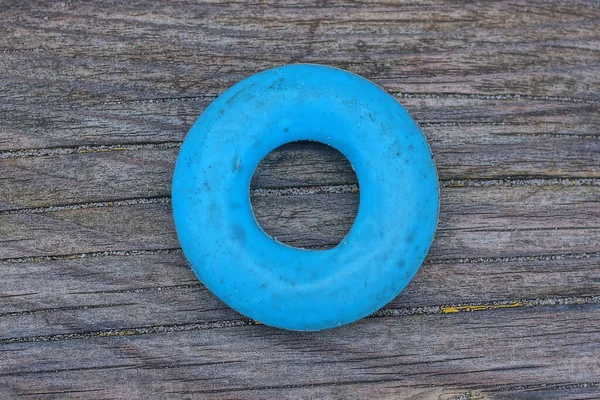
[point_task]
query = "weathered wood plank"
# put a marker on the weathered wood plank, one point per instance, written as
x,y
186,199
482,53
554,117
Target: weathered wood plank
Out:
x,y
138,227
449,118
508,95
61,71
434,46
84,178
474,222
146,173
483,353
76,295
493,217
445,120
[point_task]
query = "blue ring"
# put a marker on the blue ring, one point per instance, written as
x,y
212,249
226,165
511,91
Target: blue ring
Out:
x,y
288,287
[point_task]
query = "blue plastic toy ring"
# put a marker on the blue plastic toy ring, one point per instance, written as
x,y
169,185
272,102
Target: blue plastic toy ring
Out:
x,y
288,287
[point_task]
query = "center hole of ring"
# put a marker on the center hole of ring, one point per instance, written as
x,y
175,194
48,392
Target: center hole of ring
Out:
x,y
305,195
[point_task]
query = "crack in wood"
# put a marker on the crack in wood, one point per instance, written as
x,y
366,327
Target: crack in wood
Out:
x,y
504,96
460,260
489,260
95,204
120,366
549,386
133,331
280,387
403,95
160,100
144,289
67,150
72,308
517,181
107,253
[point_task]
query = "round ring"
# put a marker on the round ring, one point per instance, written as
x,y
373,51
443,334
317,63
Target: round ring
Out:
x,y
289,287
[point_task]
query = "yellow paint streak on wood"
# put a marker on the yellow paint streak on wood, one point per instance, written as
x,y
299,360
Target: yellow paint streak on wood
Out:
x,y
456,309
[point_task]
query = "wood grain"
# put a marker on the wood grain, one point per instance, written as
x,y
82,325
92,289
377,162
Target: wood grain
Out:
x,y
97,176
537,49
486,354
474,222
128,289
67,89
97,300
463,117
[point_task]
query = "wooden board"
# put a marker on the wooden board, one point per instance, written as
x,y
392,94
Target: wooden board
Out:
x,y
474,222
479,355
97,300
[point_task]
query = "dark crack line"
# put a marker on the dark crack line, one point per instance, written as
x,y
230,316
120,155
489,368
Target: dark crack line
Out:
x,y
404,95
66,150
58,309
95,204
507,96
490,260
108,253
459,260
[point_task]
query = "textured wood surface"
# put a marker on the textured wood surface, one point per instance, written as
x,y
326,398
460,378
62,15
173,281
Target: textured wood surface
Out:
x,y
97,300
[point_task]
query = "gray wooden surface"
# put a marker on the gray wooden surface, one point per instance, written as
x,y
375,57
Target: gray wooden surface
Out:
x,y
97,301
